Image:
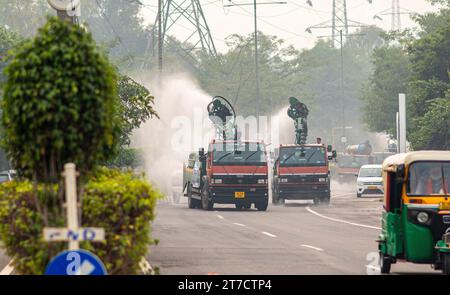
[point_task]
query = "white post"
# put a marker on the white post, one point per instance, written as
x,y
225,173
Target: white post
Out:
x,y
402,121
397,129
71,202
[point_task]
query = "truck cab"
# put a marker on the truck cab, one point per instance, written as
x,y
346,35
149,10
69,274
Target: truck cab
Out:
x,y
348,165
230,172
301,172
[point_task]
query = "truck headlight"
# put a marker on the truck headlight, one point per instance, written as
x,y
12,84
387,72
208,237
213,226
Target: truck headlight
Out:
x,y
262,181
322,179
283,180
217,180
423,217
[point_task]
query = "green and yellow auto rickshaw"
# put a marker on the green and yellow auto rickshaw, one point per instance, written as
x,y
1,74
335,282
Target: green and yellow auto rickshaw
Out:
x,y
416,215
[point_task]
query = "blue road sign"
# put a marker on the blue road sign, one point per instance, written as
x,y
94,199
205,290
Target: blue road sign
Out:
x,y
80,262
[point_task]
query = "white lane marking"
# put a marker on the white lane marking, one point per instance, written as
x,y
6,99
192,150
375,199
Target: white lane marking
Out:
x,y
238,224
268,234
220,216
312,247
341,221
8,269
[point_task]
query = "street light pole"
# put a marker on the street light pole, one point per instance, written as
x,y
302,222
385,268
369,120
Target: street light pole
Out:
x,y
342,85
258,99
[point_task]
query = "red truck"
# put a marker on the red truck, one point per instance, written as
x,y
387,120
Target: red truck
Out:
x,y
301,172
230,172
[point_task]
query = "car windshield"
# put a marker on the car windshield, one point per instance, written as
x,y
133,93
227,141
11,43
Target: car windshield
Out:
x,y
302,156
370,172
429,178
352,162
239,153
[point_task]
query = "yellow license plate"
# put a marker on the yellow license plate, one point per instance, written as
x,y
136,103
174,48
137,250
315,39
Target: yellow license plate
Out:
x,y
372,187
239,195
444,206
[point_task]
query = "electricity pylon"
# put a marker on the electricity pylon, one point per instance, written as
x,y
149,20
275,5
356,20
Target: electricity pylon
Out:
x,y
395,12
190,12
338,22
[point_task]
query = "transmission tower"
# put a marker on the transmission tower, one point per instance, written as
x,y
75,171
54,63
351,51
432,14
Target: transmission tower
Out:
x,y
395,12
339,22
189,14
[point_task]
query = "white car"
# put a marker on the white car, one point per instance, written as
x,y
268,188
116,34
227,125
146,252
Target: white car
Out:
x,y
370,181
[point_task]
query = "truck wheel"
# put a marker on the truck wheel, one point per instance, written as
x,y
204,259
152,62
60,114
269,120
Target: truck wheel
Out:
x,y
446,264
325,200
385,264
206,203
358,195
262,206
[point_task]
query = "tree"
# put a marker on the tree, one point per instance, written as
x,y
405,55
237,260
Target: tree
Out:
x,y
137,106
59,99
434,125
8,40
380,99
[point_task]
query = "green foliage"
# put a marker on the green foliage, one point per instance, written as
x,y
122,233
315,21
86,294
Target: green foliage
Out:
x,y
123,204
136,103
21,227
380,99
434,126
8,40
59,99
120,202
126,158
420,69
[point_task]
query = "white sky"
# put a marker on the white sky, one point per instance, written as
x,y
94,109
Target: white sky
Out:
x,y
287,21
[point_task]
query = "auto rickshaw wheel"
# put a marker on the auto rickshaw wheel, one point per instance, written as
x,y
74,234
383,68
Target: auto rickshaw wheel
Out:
x,y
446,264
385,264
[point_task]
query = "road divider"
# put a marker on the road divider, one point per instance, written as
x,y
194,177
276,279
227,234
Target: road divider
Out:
x,y
341,221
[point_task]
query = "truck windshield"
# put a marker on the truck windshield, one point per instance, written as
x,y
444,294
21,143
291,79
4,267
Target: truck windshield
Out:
x,y
242,153
429,178
302,156
352,162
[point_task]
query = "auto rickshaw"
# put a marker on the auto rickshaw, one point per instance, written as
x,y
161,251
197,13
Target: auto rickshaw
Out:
x,y
416,215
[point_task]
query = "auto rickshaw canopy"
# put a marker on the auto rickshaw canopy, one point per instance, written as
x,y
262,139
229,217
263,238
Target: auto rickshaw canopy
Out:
x,y
391,163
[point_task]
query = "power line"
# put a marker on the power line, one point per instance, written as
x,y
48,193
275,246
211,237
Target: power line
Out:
x,y
101,14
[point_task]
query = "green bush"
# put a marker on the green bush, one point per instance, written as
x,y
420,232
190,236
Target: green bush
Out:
x,y
59,100
120,202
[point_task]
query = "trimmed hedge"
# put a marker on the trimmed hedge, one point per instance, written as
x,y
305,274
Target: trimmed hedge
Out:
x,y
121,202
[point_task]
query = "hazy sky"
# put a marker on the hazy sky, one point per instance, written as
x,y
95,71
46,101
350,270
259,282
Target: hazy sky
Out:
x,y
287,21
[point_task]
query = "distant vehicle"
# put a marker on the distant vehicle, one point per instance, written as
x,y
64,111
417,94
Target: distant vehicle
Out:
x,y
7,175
381,156
370,181
348,165
301,173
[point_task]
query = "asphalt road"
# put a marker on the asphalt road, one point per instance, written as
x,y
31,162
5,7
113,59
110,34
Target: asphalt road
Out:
x,y
298,238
